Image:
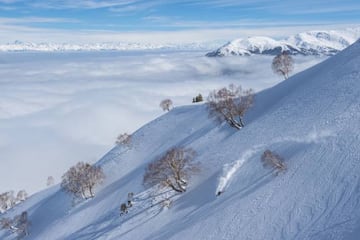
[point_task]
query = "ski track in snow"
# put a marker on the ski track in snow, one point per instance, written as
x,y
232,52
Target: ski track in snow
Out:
x,y
229,170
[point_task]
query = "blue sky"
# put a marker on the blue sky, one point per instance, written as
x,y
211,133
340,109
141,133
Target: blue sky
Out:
x,y
101,20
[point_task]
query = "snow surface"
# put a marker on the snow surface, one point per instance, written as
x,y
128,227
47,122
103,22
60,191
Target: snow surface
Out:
x,y
311,119
307,43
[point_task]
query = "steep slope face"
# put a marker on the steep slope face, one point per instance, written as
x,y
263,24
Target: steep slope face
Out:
x,y
325,43
312,120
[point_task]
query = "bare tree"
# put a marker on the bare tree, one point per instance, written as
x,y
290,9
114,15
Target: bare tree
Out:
x,y
50,181
130,199
283,64
230,104
81,179
21,196
123,209
21,224
124,139
172,170
198,98
166,104
273,160
7,201
6,223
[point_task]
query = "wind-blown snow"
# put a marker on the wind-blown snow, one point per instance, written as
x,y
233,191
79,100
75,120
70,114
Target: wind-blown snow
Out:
x,y
230,169
311,120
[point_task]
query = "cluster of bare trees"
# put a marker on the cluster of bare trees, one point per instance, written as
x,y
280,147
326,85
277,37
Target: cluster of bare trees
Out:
x,y
19,224
230,104
172,170
8,199
81,179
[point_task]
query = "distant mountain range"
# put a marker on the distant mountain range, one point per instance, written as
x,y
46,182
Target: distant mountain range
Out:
x,y
307,43
105,46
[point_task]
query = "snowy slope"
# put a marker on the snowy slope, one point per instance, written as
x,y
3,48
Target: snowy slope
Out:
x,y
312,119
307,43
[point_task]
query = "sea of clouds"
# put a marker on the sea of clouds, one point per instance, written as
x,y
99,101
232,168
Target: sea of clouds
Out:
x,y
60,108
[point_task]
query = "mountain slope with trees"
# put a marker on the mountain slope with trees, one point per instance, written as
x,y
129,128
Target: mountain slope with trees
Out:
x,y
292,171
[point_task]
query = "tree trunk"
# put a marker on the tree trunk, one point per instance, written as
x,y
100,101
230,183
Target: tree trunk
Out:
x,y
181,190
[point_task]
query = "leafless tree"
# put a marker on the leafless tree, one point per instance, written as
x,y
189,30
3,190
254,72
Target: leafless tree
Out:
x,y
81,179
123,209
21,196
124,139
273,160
198,98
230,104
6,223
166,104
130,199
50,181
21,224
283,64
7,201
172,170
166,203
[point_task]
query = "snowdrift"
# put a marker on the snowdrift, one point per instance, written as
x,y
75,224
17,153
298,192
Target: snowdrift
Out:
x,y
311,119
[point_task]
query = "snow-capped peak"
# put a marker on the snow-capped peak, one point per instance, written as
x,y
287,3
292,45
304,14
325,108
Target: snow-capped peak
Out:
x,y
306,43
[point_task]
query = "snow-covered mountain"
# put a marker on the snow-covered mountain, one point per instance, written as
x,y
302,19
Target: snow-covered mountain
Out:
x,y
311,119
307,43
106,46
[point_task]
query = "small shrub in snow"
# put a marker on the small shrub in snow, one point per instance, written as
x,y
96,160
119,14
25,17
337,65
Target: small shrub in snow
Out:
x,y
124,139
283,64
198,98
50,181
130,199
123,209
166,203
230,104
166,104
273,160
21,196
7,201
81,179
172,170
